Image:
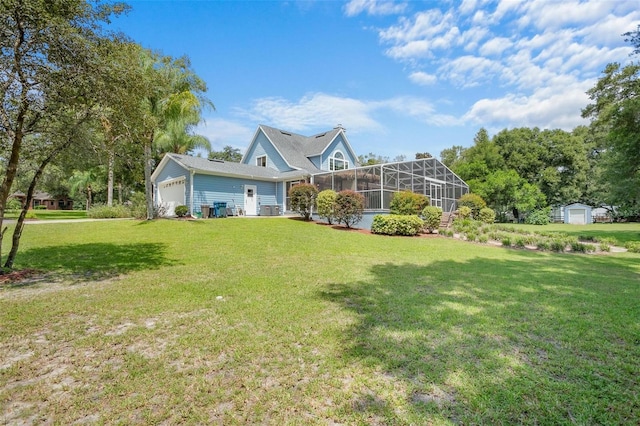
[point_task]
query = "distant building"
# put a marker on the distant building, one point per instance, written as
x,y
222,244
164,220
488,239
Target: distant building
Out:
x,y
41,198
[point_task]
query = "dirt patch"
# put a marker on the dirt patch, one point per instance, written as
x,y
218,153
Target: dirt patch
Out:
x,y
20,277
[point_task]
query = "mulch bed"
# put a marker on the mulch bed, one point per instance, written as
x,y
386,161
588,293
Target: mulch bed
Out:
x,y
17,276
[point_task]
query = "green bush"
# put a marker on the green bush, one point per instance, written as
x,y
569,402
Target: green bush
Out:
x,y
432,216
181,211
558,245
393,224
543,245
474,202
105,212
326,203
539,217
633,246
471,236
30,214
14,204
465,212
487,215
520,242
40,208
484,238
303,199
349,207
408,203
506,241
605,247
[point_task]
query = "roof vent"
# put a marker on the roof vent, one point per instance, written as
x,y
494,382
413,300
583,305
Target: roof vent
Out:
x,y
285,133
319,136
216,160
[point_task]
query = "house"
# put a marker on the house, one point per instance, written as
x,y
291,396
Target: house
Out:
x,y
275,160
45,200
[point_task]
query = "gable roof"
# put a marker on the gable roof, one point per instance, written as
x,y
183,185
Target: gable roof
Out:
x,y
225,168
296,149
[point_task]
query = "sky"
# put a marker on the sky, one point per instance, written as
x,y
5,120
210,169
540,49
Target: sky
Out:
x,y
401,77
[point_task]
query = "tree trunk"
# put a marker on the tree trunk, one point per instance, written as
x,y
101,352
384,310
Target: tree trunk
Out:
x,y
110,179
147,177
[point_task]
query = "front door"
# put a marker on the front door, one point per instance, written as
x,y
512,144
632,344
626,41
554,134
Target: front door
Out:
x,y
250,203
436,195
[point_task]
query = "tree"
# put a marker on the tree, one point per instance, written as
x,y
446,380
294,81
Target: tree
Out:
x,y
615,113
349,207
506,191
86,183
303,199
228,153
371,159
326,202
408,203
450,156
421,155
49,65
176,137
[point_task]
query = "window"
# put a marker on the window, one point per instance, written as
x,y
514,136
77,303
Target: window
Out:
x,y
261,161
338,162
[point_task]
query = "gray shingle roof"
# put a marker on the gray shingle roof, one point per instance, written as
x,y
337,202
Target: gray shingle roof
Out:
x,y
297,148
227,168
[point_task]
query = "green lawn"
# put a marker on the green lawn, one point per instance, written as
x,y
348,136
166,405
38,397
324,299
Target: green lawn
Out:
x,y
623,232
50,214
277,321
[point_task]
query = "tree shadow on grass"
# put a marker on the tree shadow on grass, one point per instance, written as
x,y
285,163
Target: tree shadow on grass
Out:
x,y
527,340
95,260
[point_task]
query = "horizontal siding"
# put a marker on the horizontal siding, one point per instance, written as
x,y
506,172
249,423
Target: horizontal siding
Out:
x,y
173,170
263,146
208,189
338,144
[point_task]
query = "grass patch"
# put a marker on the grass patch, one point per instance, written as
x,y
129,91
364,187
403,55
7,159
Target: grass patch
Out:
x,y
278,321
50,214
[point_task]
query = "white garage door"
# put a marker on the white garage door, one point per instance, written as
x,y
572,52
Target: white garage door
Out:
x,y
171,193
578,216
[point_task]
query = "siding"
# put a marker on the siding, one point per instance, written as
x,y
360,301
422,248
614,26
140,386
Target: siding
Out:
x,y
338,144
173,170
208,189
262,146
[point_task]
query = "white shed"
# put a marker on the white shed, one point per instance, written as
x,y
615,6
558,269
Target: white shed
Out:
x,y
578,214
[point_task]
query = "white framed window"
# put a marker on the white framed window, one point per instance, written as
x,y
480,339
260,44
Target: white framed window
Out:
x,y
261,161
338,162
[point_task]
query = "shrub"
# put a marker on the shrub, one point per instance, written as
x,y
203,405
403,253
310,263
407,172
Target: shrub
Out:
x,y
181,211
605,247
539,217
471,236
40,208
432,216
474,202
14,204
303,199
506,241
394,224
487,215
464,212
349,207
519,242
408,203
484,238
30,214
326,202
106,212
558,245
633,246
543,245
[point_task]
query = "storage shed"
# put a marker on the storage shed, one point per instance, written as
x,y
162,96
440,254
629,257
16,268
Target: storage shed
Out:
x,y
578,214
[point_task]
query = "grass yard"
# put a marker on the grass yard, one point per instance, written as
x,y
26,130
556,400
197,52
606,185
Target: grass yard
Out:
x,y
277,321
50,214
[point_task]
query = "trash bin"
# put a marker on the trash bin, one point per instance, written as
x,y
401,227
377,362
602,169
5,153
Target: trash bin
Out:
x,y
220,209
275,211
205,208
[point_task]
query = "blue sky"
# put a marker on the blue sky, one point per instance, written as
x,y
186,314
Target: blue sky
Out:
x,y
401,77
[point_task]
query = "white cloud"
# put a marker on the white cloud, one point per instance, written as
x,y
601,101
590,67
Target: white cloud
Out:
x,y
495,47
420,109
469,71
373,7
314,111
225,132
545,108
422,78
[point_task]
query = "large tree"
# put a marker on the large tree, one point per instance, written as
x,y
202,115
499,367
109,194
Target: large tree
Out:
x,y
615,114
49,66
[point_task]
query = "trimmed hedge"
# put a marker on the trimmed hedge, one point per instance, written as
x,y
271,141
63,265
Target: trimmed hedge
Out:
x,y
395,224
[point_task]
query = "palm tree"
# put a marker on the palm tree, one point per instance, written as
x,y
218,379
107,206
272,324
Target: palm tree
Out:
x,y
176,137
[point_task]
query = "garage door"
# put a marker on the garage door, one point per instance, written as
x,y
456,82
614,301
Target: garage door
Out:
x,y
578,216
171,194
